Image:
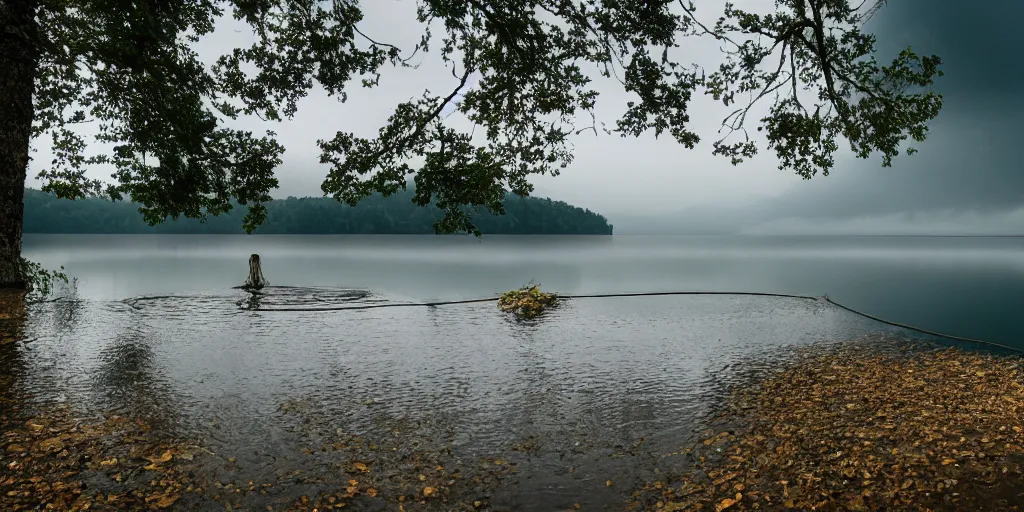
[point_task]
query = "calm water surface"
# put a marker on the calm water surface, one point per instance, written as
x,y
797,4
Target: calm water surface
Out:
x,y
965,286
599,389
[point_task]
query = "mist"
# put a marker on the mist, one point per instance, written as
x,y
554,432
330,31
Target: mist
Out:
x,y
965,180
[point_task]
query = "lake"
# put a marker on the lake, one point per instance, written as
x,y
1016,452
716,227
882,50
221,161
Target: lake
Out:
x,y
964,286
597,390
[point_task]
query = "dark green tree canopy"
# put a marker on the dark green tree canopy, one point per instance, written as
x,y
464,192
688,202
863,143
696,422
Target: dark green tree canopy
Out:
x,y
374,215
129,66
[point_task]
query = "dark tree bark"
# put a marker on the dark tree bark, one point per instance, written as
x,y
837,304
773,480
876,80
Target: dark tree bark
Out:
x,y
19,57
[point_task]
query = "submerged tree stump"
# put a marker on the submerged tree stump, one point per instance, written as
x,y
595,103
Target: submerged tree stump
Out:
x,y
256,281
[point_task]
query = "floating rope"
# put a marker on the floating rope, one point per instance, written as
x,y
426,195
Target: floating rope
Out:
x,y
661,294
495,299
384,305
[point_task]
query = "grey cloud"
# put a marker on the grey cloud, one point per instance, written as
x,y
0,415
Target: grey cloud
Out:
x,y
967,177
971,160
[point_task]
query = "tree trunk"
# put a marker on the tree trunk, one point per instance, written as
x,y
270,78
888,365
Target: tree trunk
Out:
x,y
19,59
256,281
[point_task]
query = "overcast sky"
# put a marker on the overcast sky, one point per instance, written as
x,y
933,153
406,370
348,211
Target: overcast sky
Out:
x,y
966,178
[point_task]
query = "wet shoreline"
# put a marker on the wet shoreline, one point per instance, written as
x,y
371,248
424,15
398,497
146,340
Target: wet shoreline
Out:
x,y
579,409
741,454
848,428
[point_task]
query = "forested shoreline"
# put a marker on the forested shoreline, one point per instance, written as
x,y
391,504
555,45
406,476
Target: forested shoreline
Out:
x,y
45,213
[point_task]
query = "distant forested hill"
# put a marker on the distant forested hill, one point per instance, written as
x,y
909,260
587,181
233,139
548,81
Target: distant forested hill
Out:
x,y
397,214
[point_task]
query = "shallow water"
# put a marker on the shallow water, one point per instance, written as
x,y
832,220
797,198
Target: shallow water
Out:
x,y
600,387
597,390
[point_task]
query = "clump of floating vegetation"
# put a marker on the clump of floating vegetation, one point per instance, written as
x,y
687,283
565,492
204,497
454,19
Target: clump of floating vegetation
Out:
x,y
527,302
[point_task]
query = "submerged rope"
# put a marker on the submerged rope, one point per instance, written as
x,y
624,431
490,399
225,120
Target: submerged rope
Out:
x,y
920,330
661,294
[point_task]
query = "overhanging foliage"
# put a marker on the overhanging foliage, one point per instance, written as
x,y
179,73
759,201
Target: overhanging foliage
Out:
x,y
130,67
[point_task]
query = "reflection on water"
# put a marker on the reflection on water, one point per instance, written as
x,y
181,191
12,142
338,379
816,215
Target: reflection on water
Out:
x,y
270,297
13,318
969,287
597,390
13,314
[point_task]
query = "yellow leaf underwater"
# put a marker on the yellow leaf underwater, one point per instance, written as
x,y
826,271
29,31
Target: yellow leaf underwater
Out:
x,y
724,504
862,426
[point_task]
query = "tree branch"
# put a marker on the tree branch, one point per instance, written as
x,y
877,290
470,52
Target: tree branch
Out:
x,y
769,87
422,124
375,43
856,85
603,40
793,75
693,17
500,28
822,53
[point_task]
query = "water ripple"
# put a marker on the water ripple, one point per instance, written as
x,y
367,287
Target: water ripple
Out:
x,y
600,386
